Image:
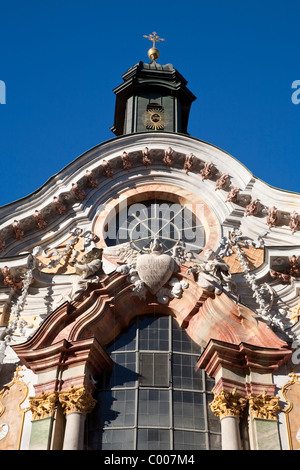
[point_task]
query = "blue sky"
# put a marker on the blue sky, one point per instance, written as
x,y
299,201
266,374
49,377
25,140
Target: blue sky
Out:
x,y
60,61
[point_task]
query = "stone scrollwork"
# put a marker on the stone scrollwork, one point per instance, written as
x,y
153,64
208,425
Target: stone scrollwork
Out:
x,y
264,406
78,400
228,404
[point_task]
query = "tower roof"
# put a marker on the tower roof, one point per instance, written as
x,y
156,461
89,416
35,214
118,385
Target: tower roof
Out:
x,y
152,78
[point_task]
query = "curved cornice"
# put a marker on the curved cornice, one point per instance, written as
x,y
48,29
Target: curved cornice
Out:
x,y
83,209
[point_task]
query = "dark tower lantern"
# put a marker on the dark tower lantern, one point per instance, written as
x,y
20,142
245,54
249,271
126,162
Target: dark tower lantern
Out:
x,y
153,97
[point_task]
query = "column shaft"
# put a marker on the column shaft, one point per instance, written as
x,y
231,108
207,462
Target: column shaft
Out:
x,y
230,433
74,431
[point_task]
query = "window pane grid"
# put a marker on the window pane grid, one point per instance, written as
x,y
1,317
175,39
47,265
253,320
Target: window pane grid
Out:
x,y
155,393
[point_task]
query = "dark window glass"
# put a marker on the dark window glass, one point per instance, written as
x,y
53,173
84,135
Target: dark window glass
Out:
x,y
154,369
154,334
119,408
215,441
124,370
213,421
184,374
154,408
188,410
126,342
153,439
154,398
118,439
188,440
181,342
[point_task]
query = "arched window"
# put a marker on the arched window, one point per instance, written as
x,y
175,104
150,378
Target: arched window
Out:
x,y
154,399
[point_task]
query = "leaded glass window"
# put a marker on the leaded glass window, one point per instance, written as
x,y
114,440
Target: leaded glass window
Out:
x,y
154,398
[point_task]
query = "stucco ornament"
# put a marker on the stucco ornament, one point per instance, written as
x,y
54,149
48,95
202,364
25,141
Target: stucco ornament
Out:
x,y
86,273
152,269
213,274
155,268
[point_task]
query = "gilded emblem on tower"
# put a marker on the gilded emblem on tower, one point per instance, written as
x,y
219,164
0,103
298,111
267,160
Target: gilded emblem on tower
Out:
x,y
155,118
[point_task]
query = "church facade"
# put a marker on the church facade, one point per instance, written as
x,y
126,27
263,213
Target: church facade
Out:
x,y
149,293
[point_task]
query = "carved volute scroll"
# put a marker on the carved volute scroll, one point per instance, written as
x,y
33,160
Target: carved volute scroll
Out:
x,y
12,396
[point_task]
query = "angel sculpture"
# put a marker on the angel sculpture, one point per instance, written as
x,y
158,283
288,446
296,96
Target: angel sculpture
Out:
x,y
213,274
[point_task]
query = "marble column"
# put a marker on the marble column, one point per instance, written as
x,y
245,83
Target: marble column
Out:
x,y
76,403
229,406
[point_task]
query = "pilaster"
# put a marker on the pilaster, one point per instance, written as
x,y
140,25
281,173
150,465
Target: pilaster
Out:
x,y
243,375
263,422
43,410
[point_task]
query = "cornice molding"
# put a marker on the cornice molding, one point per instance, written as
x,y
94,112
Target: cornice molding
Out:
x,y
24,212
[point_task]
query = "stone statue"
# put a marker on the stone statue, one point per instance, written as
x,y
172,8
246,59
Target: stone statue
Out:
x,y
19,233
91,180
294,222
59,206
79,193
41,223
90,264
252,208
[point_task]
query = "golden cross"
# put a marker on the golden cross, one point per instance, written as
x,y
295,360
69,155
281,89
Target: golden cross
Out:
x,y
153,37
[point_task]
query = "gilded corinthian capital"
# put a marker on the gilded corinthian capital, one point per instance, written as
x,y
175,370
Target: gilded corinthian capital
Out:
x,y
228,404
77,400
43,406
264,406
